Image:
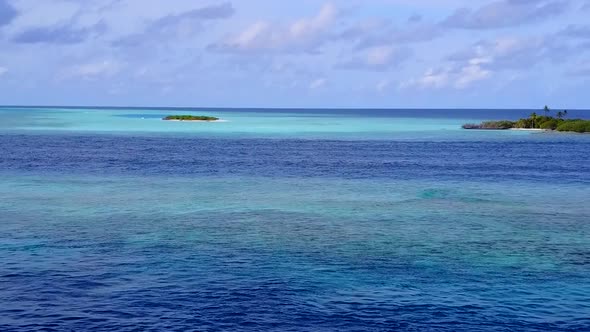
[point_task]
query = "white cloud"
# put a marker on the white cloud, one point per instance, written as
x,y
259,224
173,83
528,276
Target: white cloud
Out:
x,y
92,70
506,13
471,74
318,83
177,26
382,85
456,78
370,33
378,58
97,68
505,46
483,59
310,26
3,71
431,79
248,38
303,35
511,52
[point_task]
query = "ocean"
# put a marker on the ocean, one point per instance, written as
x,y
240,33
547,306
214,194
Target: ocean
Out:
x,y
290,220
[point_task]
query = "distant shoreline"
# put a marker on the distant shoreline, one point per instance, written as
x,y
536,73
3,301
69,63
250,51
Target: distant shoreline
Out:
x,y
191,118
175,120
536,122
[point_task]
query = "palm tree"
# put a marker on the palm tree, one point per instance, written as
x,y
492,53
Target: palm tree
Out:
x,y
547,110
534,118
564,113
560,115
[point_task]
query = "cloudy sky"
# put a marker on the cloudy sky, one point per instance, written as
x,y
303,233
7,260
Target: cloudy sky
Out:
x,y
304,53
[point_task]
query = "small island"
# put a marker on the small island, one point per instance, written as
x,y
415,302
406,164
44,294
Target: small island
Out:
x,y
197,118
537,122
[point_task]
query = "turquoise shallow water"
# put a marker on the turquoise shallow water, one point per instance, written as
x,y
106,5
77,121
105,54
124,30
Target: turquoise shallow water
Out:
x,y
296,228
255,123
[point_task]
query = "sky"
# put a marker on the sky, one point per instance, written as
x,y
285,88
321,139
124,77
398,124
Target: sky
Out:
x,y
304,53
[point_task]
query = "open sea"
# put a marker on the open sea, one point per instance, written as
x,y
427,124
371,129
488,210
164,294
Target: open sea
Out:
x,y
290,220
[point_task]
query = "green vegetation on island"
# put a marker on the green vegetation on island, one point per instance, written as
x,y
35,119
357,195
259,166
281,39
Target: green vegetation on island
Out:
x,y
504,124
190,118
535,121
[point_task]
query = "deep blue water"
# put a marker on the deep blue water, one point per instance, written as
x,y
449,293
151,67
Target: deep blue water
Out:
x,y
562,161
108,232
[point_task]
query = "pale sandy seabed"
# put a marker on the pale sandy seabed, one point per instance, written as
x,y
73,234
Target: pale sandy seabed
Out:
x,y
529,129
